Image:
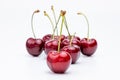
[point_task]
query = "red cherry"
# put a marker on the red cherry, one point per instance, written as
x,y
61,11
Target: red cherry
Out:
x,y
47,37
66,42
88,47
62,37
34,46
74,51
51,45
75,37
58,62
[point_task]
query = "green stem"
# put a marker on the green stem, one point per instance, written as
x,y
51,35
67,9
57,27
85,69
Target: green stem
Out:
x,y
37,11
63,18
52,8
56,25
87,23
67,28
72,39
50,21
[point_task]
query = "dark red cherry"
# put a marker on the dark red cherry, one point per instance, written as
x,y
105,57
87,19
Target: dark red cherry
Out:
x,y
58,62
47,37
75,37
34,46
74,51
88,47
52,45
66,42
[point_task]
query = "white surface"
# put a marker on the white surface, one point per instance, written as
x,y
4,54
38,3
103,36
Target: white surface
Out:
x,y
17,64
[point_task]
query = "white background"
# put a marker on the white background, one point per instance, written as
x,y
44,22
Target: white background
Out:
x,y
17,64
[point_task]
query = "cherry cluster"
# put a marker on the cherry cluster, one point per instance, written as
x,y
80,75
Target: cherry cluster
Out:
x,y
61,50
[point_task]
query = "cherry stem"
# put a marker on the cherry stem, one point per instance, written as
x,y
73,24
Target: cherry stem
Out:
x,y
56,25
72,38
56,22
36,11
63,18
87,23
67,28
45,13
52,8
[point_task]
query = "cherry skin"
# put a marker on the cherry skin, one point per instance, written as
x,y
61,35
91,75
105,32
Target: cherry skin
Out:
x,y
34,46
75,37
74,51
47,37
51,45
66,42
58,62
62,37
88,47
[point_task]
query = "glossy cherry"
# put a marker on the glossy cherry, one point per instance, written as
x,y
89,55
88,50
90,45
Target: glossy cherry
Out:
x,y
34,46
66,42
75,37
58,62
62,37
74,51
47,37
51,45
88,47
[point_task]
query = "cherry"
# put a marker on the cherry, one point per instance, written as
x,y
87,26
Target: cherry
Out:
x,y
59,61
75,37
34,46
88,46
47,37
75,41
73,50
62,37
51,45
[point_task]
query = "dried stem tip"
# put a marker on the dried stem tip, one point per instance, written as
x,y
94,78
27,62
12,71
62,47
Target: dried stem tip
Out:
x,y
45,13
36,11
79,13
52,7
62,13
